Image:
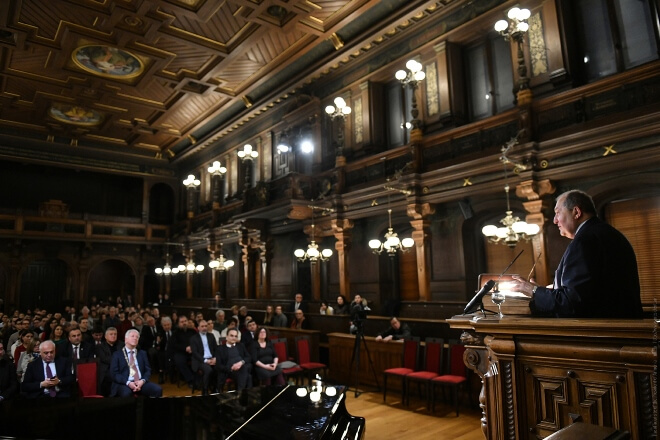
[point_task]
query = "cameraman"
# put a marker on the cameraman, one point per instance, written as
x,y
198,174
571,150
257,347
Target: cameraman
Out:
x,y
397,331
359,312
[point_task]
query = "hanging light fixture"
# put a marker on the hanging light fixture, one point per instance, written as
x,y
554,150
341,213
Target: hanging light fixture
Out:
x,y
513,229
392,242
167,269
190,266
312,253
247,153
221,263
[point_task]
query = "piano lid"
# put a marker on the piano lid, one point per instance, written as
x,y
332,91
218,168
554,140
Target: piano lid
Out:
x,y
262,413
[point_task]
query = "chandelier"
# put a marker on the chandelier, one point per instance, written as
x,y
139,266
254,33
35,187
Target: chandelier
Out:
x,y
167,269
392,242
513,230
216,169
247,153
221,263
312,253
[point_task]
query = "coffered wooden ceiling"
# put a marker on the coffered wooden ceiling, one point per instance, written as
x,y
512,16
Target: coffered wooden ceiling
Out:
x,y
150,78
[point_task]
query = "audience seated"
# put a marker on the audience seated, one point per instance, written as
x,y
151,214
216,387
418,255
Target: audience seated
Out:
x,y
49,377
8,379
264,358
181,354
203,348
233,361
104,352
131,371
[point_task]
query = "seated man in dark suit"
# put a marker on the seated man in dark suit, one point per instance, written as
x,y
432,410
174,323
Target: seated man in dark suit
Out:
x,y
104,352
203,347
8,378
131,371
181,351
233,360
49,377
77,350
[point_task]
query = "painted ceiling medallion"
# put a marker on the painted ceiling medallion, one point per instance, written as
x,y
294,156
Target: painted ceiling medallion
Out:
x,y
75,115
107,61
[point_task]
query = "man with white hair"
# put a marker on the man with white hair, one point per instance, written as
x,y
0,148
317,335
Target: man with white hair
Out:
x,y
131,371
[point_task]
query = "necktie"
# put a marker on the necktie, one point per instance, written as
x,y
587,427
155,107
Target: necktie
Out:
x,y
49,375
134,371
75,352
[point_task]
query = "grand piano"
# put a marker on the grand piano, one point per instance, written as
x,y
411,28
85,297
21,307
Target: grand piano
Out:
x,y
271,412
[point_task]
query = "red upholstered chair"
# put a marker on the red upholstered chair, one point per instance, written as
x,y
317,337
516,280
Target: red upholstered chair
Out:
x,y
289,368
455,379
432,366
409,364
304,358
87,379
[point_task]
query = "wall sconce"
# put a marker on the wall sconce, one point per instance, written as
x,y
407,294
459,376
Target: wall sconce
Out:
x,y
216,169
339,111
412,77
515,29
247,153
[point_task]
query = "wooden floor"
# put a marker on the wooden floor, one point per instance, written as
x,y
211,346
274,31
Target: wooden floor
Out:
x,y
395,420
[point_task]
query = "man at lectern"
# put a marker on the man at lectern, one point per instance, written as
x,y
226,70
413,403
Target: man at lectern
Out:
x,y
597,276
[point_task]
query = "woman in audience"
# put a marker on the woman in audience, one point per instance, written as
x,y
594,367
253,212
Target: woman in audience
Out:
x,y
24,338
265,359
48,331
268,318
232,323
342,306
32,352
59,338
326,309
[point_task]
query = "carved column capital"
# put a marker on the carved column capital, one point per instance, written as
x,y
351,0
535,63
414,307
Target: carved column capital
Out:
x,y
535,189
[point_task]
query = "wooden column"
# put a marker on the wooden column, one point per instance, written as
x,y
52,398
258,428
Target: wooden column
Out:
x,y
535,191
341,229
421,224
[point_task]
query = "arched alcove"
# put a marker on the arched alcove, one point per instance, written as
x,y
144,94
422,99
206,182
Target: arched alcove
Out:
x,y
111,278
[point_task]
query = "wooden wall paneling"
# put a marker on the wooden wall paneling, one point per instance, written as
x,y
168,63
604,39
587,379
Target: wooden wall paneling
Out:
x,y
375,122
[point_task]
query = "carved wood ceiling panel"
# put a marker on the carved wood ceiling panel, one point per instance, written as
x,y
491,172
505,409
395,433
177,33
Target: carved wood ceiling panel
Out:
x,y
141,77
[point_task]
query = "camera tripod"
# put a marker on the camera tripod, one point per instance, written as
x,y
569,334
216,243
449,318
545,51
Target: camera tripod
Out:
x,y
359,336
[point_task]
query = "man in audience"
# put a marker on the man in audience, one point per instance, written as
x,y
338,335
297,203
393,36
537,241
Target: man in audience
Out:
x,y
203,347
233,361
97,335
181,349
249,335
148,341
280,319
83,325
131,371
298,303
8,378
104,353
49,378
165,348
396,331
76,350
299,321
112,320
220,323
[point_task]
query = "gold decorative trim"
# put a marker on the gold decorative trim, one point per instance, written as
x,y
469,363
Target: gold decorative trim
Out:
x,y
336,41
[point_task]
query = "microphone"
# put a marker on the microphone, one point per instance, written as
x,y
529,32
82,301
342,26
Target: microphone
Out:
x,y
476,303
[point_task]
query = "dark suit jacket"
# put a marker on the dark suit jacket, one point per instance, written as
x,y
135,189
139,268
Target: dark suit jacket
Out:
x,y
104,354
34,375
147,338
222,357
120,371
85,351
8,379
197,348
596,278
302,306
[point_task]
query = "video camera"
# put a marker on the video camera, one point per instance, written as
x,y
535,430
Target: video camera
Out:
x,y
359,312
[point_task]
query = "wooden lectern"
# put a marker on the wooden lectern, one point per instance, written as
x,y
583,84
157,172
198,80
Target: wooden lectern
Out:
x,y
540,375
